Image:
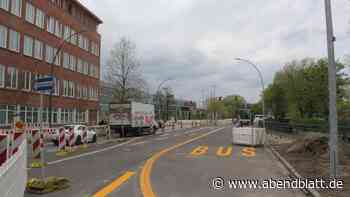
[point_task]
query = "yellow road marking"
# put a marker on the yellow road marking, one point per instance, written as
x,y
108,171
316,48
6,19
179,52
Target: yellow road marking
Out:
x,y
200,150
249,152
114,185
224,153
145,176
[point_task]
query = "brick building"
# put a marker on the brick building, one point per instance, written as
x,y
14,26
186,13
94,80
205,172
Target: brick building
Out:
x,y
31,32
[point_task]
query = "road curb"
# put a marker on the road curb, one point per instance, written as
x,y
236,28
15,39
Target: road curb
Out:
x,y
294,172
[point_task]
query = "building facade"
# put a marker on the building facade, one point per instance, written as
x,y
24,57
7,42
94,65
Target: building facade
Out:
x,y
43,37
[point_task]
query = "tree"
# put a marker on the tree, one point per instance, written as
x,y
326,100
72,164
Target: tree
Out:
x,y
275,100
232,105
300,89
216,107
124,72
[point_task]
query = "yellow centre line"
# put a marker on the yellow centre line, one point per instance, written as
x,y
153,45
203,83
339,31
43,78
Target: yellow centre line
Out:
x,y
114,185
145,180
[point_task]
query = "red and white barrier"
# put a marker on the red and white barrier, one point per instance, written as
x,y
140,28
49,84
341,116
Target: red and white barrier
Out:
x,y
71,139
36,144
4,148
84,139
17,141
61,139
13,172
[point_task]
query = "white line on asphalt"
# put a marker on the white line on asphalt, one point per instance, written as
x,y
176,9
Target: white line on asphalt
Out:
x,y
165,134
91,153
162,138
138,143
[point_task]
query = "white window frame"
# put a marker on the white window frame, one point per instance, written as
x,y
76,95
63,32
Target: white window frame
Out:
x,y
16,7
58,57
3,39
28,46
30,13
79,65
66,63
2,76
40,18
38,49
5,4
48,53
27,81
12,75
72,62
14,45
58,29
50,25
66,33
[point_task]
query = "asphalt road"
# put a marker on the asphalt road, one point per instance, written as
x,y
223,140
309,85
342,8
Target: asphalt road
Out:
x,y
173,164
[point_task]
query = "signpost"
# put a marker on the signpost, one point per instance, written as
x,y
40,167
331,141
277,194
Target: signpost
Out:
x,y
42,85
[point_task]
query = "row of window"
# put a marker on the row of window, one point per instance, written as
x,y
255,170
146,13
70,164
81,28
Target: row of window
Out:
x,y
31,115
13,6
55,27
37,17
79,65
77,13
12,78
32,47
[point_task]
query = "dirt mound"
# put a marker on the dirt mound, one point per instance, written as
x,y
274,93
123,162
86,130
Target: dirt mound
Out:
x,y
315,144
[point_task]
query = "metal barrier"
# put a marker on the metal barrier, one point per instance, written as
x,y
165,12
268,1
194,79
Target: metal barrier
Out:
x,y
287,127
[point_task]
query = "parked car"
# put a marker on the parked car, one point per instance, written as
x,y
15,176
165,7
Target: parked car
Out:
x,y
78,134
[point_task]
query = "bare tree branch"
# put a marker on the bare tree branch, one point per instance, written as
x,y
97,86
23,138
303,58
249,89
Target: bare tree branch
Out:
x,y
124,72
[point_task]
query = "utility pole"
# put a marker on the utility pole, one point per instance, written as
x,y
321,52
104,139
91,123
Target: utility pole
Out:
x,y
332,85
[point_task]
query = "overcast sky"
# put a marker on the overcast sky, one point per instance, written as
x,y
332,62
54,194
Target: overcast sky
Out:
x,y
196,41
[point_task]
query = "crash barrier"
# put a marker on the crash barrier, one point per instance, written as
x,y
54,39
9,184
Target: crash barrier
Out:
x,y
249,136
291,127
37,143
13,168
61,139
71,140
84,138
198,123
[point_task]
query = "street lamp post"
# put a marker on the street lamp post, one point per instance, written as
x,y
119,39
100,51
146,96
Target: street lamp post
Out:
x,y
158,96
59,49
261,81
332,80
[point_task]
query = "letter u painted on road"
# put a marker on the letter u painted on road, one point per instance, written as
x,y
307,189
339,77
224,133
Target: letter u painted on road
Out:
x,y
222,152
200,150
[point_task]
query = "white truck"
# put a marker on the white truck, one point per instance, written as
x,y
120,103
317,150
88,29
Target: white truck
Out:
x,y
132,118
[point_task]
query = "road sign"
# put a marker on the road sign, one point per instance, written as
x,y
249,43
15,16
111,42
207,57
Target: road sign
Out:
x,y
43,84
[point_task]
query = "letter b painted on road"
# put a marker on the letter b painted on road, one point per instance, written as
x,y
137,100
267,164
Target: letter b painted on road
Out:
x,y
200,150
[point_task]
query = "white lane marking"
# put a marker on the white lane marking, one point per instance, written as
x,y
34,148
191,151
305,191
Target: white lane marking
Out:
x,y
51,150
162,138
165,134
91,153
138,143
195,130
176,135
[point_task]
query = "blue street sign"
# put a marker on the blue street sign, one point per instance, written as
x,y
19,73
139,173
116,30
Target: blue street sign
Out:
x,y
43,84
